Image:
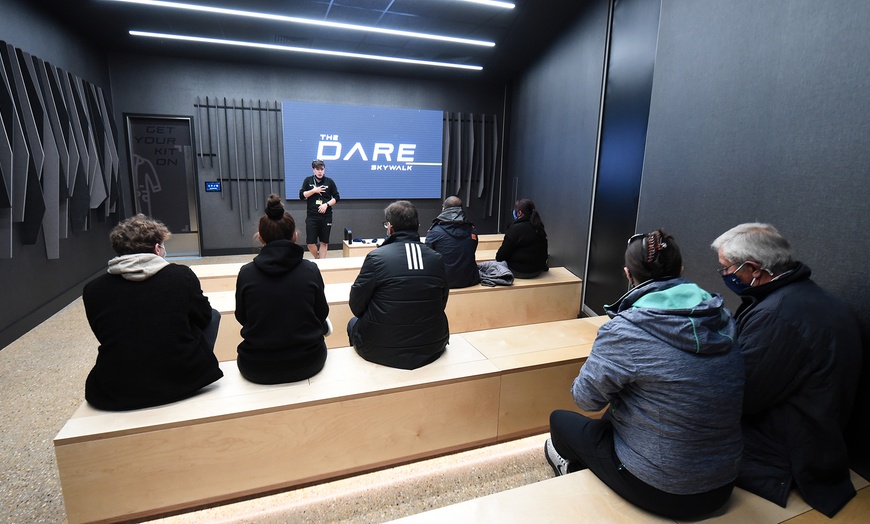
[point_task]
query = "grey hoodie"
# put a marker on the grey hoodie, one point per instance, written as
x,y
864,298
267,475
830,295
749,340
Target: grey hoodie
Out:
x,y
668,366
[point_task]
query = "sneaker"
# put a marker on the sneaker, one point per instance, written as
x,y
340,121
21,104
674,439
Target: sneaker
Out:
x,y
559,465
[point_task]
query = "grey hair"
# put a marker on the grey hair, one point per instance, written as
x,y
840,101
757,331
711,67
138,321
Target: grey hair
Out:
x,y
756,242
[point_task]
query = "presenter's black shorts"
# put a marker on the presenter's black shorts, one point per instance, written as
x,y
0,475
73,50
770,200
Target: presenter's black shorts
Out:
x,y
318,228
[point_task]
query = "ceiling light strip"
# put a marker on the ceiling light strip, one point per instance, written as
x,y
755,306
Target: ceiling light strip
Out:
x,y
275,47
307,21
492,3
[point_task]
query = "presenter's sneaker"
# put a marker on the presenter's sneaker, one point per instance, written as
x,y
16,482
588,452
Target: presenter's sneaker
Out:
x,y
559,465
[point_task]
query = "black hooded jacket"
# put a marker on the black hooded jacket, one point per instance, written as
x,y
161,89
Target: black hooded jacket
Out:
x,y
399,298
282,308
456,240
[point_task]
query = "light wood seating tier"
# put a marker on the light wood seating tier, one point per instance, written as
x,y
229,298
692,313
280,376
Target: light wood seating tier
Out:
x,y
238,439
222,277
582,497
554,295
356,249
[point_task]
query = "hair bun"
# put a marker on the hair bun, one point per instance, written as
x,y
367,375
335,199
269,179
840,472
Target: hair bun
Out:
x,y
274,207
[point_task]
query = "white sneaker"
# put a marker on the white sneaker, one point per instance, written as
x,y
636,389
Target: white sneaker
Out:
x,y
559,465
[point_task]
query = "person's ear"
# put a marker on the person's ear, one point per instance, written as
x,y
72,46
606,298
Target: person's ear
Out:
x,y
157,249
627,274
295,236
259,238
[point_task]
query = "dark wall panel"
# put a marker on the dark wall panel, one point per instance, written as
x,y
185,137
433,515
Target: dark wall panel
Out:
x,y
34,286
169,86
760,113
554,129
633,34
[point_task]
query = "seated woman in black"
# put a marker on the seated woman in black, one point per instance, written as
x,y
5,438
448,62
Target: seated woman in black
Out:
x,y
155,327
281,306
525,244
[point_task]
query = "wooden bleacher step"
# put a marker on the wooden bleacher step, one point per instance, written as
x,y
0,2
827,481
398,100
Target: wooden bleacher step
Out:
x,y
238,439
582,497
554,295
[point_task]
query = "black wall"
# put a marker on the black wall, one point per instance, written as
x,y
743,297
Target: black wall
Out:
x,y
554,130
31,286
760,112
170,86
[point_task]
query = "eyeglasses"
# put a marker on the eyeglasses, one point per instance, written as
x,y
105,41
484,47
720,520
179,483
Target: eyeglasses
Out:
x,y
724,269
386,225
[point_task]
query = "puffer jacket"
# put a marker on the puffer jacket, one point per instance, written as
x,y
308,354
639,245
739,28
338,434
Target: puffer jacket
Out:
x,y
668,366
802,348
456,240
399,298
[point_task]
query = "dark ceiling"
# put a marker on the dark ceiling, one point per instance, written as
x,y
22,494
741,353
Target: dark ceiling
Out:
x,y
520,34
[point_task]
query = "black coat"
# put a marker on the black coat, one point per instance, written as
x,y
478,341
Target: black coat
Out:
x,y
802,351
281,306
524,249
152,350
399,298
456,241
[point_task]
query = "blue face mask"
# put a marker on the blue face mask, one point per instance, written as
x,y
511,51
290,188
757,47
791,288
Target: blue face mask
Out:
x,y
735,284
515,215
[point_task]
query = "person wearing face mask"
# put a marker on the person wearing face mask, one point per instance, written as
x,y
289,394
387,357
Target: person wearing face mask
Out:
x,y
524,247
155,327
667,366
802,352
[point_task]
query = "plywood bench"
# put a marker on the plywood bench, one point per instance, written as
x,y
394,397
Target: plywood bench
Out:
x,y
222,277
554,295
582,497
238,439
354,249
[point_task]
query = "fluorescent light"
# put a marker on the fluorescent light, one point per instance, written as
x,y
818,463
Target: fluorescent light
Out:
x,y
493,3
308,21
275,47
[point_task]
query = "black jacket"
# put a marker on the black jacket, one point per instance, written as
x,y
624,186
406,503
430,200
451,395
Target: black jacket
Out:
x,y
399,298
802,351
456,240
152,350
281,306
524,249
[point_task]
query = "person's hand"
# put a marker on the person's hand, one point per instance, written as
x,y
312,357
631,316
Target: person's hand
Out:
x,y
323,208
321,189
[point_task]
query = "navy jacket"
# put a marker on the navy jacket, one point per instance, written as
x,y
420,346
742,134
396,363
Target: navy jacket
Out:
x,y
802,350
456,240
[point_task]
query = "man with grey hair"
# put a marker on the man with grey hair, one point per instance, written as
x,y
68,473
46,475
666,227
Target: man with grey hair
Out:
x,y
802,352
398,298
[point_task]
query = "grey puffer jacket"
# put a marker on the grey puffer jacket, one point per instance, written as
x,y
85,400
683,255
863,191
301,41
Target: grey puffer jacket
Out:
x,y
668,366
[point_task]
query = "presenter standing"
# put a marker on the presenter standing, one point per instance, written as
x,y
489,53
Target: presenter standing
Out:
x,y
321,193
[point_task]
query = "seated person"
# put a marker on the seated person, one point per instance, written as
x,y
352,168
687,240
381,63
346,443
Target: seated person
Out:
x,y
281,306
399,297
667,366
802,348
524,247
456,239
155,327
